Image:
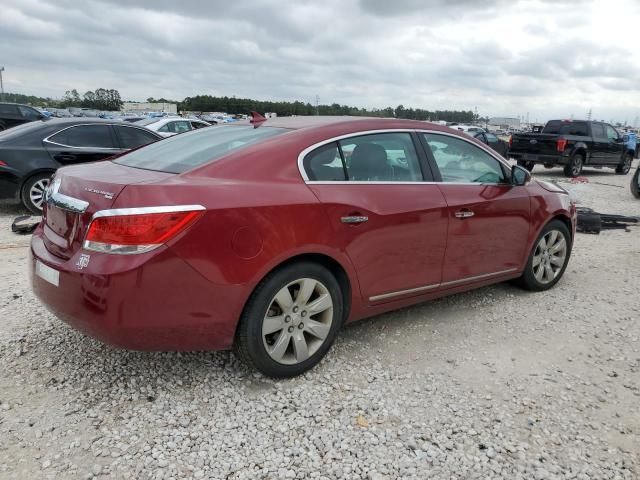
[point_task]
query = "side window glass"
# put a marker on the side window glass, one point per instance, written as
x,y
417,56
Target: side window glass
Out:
x,y
460,161
383,157
325,164
28,113
8,109
131,137
96,136
612,134
181,127
165,128
197,125
598,130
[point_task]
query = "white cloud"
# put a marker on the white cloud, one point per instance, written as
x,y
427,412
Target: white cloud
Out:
x,y
549,58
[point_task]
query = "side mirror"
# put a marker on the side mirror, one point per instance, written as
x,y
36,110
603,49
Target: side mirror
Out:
x,y
519,176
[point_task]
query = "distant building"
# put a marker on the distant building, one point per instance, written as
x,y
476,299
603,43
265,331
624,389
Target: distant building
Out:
x,y
505,122
149,107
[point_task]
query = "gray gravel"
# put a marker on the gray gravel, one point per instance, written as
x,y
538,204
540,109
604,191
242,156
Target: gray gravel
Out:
x,y
495,383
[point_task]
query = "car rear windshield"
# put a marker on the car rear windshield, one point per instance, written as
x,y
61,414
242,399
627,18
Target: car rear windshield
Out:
x,y
186,151
566,128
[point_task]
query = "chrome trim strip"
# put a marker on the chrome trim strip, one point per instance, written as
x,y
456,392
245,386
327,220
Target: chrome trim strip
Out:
x,y
393,130
143,210
64,202
398,293
478,277
384,296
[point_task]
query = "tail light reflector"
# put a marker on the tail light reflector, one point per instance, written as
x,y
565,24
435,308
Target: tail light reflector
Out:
x,y
561,144
138,230
510,141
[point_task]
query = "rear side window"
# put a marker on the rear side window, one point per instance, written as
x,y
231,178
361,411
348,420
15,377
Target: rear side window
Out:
x,y
598,130
180,153
95,136
383,157
131,137
8,109
567,128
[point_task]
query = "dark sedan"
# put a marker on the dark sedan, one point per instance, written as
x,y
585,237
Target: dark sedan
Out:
x,y
12,114
492,141
31,153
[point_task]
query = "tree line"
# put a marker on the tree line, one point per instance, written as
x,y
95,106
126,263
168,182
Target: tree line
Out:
x,y
110,100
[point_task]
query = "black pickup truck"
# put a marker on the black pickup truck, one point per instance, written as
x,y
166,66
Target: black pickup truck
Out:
x,y
572,144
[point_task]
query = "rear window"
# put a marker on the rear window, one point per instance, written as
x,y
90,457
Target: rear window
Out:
x,y
566,128
184,152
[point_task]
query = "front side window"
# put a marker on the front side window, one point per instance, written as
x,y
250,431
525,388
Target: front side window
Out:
x,y
94,136
612,133
460,161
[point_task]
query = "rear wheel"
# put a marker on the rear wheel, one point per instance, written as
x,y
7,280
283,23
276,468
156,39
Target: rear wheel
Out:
x,y
548,259
33,192
635,183
527,165
574,167
290,321
625,166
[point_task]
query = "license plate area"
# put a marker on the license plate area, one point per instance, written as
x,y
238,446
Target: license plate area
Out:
x,y
47,273
530,157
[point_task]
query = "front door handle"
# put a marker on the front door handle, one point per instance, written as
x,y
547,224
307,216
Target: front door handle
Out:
x,y
464,214
354,219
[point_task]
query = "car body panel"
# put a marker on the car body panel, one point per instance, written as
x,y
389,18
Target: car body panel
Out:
x,y
260,213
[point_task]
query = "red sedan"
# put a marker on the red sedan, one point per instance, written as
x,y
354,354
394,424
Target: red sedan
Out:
x,y
268,237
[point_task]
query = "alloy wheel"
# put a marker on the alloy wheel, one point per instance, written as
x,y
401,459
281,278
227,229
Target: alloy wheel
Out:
x,y
36,192
298,321
549,257
576,165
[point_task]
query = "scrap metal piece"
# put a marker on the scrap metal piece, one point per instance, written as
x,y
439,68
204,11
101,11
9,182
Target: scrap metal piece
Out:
x,y
594,222
25,224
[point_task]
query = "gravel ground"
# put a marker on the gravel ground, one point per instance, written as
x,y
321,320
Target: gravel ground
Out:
x,y
495,383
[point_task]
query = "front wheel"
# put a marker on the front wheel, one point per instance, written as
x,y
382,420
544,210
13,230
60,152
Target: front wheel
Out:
x,y
635,183
574,168
625,166
290,321
548,259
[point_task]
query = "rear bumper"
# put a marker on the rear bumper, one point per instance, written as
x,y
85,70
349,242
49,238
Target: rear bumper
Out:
x,y
535,158
153,302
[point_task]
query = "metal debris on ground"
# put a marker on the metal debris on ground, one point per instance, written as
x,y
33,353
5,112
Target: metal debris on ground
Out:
x,y
25,224
594,222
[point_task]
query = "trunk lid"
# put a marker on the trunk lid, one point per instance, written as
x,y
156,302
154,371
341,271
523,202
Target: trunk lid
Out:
x,y
98,184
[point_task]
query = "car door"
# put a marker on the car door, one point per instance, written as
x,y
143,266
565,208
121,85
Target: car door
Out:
x,y
488,217
391,223
82,143
616,145
600,145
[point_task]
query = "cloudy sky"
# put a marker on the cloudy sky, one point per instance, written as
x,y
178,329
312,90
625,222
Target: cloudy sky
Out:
x,y
551,58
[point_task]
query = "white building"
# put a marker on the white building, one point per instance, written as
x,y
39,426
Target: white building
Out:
x,y
505,122
149,107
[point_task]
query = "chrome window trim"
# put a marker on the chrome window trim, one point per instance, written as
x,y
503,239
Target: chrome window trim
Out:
x,y
309,149
114,212
433,286
46,139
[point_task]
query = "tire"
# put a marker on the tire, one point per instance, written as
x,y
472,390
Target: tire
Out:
x,y
625,166
635,183
574,168
272,348
32,192
526,165
530,279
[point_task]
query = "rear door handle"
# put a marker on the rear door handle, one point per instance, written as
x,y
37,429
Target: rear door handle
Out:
x,y
354,219
464,214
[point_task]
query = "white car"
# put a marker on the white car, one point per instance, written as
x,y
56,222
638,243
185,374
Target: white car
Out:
x,y
170,126
469,129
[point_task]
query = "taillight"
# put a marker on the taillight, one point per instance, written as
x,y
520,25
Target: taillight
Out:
x,y
2,164
561,144
138,230
510,141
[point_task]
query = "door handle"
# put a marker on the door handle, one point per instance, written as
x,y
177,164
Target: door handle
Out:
x,y
464,214
354,219
65,158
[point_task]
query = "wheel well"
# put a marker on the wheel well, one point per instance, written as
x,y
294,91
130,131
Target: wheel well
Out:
x,y
567,223
333,266
34,174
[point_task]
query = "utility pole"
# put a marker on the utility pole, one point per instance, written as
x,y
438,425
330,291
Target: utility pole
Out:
x,y
589,114
1,84
317,105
